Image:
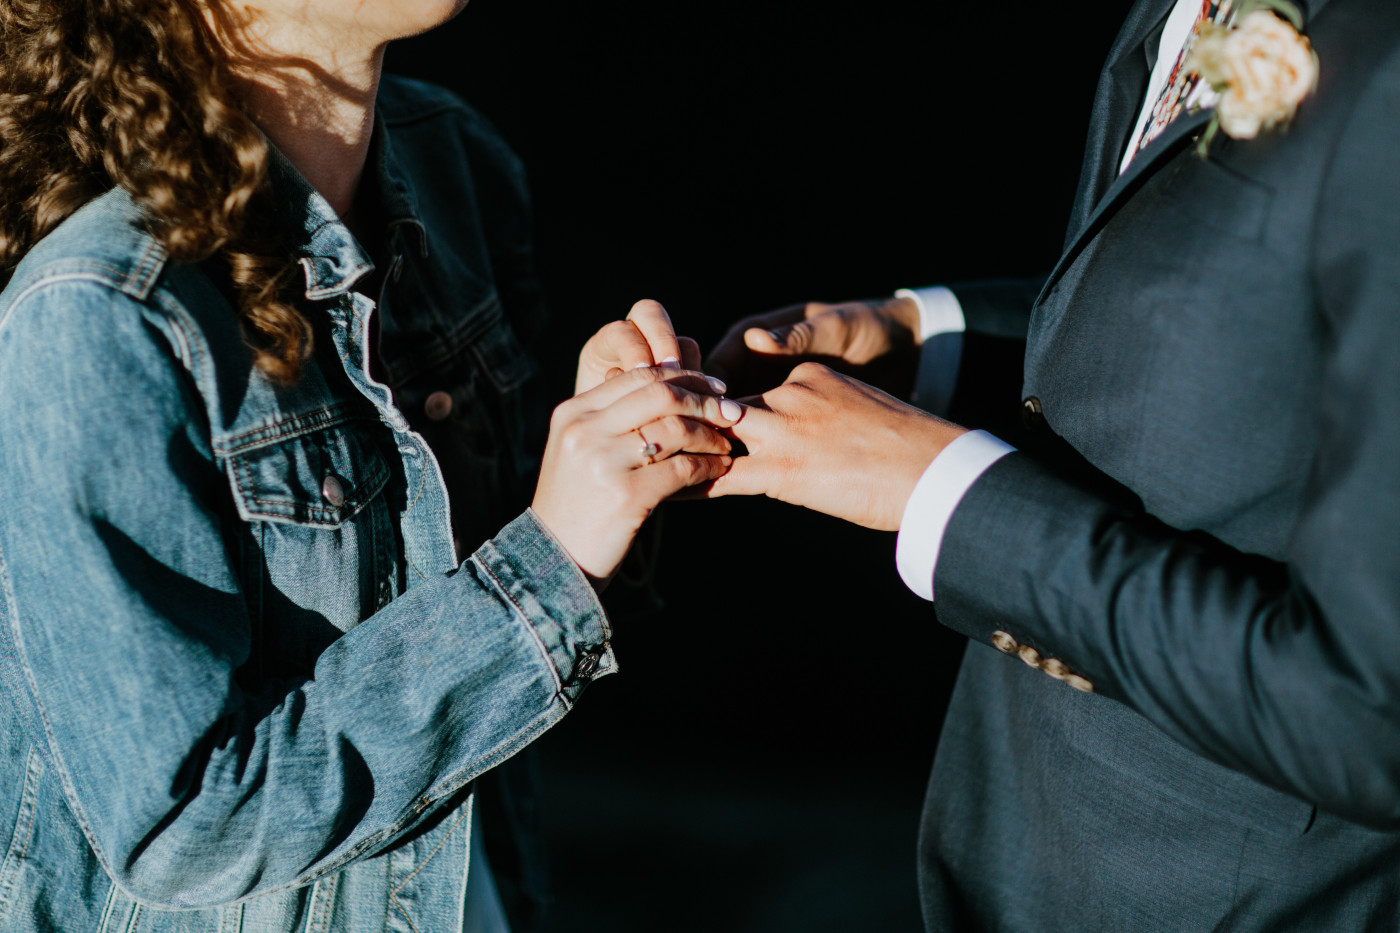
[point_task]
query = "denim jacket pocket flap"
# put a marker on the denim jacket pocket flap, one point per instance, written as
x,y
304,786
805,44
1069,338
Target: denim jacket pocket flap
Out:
x,y
502,356
316,478
491,339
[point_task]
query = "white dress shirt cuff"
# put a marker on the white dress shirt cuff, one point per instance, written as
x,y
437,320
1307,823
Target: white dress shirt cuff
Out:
x,y
935,497
941,326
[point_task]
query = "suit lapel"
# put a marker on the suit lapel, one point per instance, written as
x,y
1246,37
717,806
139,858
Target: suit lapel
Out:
x,y
1167,144
1116,105
1117,101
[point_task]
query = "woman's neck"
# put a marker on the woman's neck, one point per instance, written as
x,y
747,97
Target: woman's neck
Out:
x,y
315,101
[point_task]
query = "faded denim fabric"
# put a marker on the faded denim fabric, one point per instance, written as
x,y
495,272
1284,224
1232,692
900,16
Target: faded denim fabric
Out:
x,y
245,682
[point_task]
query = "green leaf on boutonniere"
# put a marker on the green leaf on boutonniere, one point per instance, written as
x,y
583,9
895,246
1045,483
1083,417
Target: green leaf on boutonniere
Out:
x,y
1208,136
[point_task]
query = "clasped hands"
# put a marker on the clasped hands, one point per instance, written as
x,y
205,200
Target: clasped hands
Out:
x,y
646,424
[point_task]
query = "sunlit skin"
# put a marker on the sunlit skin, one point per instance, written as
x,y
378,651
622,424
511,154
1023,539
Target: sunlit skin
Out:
x,y
308,73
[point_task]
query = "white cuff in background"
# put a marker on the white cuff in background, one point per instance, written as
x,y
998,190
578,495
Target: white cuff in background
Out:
x,y
935,497
940,312
941,326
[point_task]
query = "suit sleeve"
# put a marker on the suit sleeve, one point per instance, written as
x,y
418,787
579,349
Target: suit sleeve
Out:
x,y
1287,669
125,634
1000,307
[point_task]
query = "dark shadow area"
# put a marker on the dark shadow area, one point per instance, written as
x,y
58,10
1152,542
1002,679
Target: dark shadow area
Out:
x,y
759,763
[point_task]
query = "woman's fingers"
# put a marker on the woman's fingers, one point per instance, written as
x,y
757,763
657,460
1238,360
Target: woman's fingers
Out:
x,y
659,399
654,324
608,392
690,358
662,480
645,339
625,346
675,433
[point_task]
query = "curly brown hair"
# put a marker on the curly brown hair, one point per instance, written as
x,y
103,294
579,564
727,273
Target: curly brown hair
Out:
x,y
96,94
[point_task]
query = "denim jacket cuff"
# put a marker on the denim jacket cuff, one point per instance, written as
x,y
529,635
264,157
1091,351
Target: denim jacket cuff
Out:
x,y
537,575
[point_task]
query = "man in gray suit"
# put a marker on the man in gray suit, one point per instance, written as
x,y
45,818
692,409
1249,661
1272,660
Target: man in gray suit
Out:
x,y
1180,707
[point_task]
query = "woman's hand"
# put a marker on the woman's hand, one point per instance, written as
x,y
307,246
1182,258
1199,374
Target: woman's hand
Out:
x,y
645,338
601,477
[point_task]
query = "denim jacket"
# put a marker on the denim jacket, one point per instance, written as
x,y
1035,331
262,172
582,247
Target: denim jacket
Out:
x,y
246,681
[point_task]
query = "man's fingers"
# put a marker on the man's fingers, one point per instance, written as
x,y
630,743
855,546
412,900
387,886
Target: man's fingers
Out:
x,y
758,424
823,334
747,476
726,359
690,353
654,324
728,354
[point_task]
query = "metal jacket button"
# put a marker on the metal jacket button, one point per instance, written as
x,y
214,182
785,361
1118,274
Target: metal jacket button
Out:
x,y
438,406
333,492
587,666
1032,412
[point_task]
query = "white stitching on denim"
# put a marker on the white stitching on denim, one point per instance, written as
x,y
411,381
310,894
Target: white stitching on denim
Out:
x,y
529,627
424,864
394,892
393,899
144,273
263,435
318,914
65,780
231,918
108,907
24,830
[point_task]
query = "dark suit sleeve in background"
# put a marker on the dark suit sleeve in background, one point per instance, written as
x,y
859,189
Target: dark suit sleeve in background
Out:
x,y
993,352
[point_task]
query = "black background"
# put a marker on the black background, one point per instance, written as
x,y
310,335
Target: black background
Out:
x,y
758,764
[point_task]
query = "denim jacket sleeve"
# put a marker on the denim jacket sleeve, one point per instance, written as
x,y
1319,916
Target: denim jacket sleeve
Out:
x,y
195,782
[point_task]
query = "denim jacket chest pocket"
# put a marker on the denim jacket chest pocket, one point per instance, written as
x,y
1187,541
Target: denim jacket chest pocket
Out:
x,y
468,393
316,541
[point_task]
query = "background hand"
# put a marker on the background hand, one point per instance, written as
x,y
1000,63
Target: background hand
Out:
x,y
875,340
596,484
645,338
834,444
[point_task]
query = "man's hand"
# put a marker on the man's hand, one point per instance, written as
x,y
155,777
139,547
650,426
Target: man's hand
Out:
x,y
645,338
836,445
876,340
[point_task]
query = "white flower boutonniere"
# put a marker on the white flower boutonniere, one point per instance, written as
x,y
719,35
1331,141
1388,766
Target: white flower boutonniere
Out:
x,y
1260,65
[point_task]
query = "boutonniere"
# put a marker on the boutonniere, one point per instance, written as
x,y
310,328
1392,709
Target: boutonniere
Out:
x,y
1261,67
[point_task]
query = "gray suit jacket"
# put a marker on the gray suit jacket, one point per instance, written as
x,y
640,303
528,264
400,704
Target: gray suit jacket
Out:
x,y
1204,523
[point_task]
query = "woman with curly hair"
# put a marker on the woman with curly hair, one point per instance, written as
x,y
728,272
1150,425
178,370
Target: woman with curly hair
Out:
x,y
264,314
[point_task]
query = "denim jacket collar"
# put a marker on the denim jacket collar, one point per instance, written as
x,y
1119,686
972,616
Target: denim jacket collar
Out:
x,y
396,191
332,259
